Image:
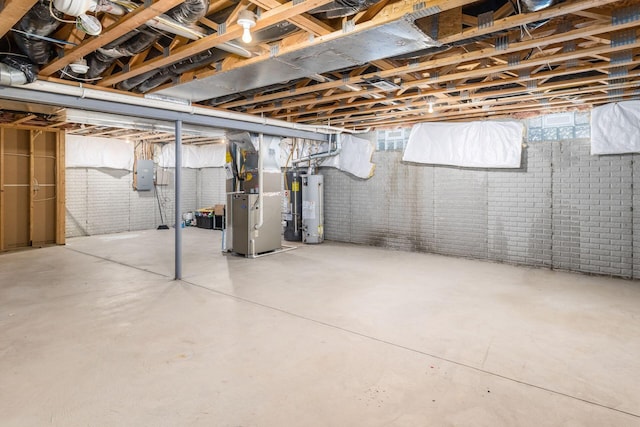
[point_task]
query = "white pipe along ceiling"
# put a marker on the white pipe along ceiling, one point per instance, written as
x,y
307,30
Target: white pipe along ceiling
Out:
x,y
352,64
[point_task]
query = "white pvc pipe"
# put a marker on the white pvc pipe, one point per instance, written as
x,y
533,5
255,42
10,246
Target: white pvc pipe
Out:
x,y
260,182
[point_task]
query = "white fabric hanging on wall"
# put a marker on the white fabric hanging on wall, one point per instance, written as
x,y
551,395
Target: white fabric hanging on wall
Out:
x,y
96,152
354,157
193,156
615,128
485,144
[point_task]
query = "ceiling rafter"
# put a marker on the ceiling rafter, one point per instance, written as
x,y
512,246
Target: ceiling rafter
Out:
x,y
304,21
12,12
490,98
502,24
511,62
541,77
539,87
391,13
234,31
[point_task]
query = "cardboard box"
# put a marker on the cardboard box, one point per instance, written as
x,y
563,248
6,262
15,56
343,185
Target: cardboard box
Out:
x,y
218,210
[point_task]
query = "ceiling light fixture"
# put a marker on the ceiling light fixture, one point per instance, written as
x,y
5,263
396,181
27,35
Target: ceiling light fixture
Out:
x,y
430,110
247,20
79,66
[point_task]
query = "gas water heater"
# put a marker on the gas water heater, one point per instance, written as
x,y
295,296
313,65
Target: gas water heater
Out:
x,y
312,209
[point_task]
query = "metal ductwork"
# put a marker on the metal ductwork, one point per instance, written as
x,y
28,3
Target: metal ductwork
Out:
x,y
37,22
154,78
341,8
9,76
17,71
536,5
133,43
353,49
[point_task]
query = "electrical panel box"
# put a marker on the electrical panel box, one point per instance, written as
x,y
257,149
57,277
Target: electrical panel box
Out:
x,y
144,175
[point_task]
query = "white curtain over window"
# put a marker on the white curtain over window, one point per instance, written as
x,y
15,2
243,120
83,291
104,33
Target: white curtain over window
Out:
x,y
615,128
96,152
474,144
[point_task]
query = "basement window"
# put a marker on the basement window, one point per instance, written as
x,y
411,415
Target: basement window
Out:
x,y
392,139
559,127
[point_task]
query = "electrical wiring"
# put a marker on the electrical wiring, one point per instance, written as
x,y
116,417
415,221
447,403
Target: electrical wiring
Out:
x,y
53,15
14,54
62,71
49,39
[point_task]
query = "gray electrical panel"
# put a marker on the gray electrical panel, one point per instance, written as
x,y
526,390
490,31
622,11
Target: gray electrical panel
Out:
x,y
144,175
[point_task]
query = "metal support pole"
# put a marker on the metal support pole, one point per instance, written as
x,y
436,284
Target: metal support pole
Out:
x,y
178,194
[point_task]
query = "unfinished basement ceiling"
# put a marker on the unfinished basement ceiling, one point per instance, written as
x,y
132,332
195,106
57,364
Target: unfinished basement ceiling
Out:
x,y
360,64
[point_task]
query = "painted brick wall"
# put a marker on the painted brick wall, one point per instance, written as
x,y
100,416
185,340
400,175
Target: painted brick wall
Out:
x,y
76,202
636,216
211,188
460,212
592,201
519,210
101,201
562,209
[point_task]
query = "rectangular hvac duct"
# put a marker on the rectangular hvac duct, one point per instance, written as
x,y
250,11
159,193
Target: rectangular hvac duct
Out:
x,y
392,39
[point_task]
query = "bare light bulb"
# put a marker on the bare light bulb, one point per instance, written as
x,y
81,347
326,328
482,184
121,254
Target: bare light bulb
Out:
x,y
246,19
430,110
246,34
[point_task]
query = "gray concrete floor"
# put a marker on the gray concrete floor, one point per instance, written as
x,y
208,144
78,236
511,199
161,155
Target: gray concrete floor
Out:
x,y
97,334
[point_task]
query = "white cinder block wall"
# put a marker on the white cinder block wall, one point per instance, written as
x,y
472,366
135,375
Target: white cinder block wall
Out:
x,y
562,209
100,201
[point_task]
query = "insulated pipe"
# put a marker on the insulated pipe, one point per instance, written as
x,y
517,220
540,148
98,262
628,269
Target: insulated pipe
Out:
x,y
178,219
10,76
260,182
38,21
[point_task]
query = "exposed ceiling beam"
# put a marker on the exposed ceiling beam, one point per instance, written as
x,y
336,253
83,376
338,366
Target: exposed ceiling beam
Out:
x,y
444,61
409,98
304,22
12,12
234,31
391,13
17,93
